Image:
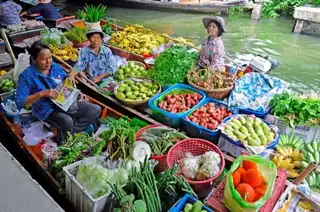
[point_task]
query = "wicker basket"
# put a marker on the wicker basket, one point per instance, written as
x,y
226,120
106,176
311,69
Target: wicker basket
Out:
x,y
138,63
134,103
219,93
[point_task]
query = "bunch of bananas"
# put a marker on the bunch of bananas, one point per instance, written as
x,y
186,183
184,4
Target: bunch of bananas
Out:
x,y
312,152
291,141
313,180
289,159
65,52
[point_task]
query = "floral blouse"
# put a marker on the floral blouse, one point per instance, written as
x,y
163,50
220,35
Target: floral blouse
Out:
x,y
212,54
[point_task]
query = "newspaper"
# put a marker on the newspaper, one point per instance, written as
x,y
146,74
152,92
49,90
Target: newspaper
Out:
x,y
67,95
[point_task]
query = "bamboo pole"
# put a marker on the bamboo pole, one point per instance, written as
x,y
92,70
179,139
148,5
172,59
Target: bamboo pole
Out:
x,y
8,46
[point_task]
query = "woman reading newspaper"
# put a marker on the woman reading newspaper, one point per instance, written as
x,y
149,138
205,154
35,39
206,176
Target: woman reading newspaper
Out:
x,y
37,87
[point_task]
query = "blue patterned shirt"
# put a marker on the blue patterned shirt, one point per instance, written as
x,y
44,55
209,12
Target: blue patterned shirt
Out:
x,y
29,83
96,64
9,13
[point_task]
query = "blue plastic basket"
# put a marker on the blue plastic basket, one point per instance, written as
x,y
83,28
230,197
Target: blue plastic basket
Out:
x,y
167,118
260,114
196,131
187,198
271,145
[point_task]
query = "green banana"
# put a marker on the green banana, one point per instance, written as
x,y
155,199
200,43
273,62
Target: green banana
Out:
x,y
310,180
304,164
316,156
309,148
315,146
311,158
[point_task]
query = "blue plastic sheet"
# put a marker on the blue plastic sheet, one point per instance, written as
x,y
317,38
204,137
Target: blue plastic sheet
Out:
x,y
255,90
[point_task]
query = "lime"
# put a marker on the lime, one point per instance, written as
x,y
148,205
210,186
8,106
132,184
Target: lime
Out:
x,y
124,85
144,96
138,84
149,85
135,88
154,87
142,89
128,89
141,69
129,82
127,70
120,71
136,93
121,89
121,77
129,93
139,99
149,93
121,96
154,91
145,84
131,64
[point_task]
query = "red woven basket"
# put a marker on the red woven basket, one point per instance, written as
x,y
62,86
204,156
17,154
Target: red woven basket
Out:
x,y
195,146
162,159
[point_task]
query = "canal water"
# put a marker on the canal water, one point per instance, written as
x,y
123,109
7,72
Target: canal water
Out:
x,y
299,55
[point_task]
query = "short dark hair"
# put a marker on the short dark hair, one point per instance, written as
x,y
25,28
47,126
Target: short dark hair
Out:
x,y
36,48
219,27
93,33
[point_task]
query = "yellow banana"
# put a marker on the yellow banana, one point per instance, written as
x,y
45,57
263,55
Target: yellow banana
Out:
x,y
289,151
297,164
279,161
282,151
295,154
285,163
293,174
291,166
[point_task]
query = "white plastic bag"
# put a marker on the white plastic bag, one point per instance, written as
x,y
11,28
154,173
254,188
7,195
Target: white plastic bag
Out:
x,y
22,63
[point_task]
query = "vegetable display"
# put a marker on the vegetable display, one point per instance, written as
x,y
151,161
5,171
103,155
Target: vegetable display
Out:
x,y
53,37
66,52
131,70
172,65
136,90
209,115
249,130
210,80
195,207
296,110
288,155
76,35
161,138
92,14
249,182
137,39
7,85
178,103
121,134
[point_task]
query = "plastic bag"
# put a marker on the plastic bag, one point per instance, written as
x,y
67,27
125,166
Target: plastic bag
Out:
x,y
232,199
190,166
22,63
10,107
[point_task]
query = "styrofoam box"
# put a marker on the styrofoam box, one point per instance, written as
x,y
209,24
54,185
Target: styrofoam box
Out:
x,y
78,195
307,133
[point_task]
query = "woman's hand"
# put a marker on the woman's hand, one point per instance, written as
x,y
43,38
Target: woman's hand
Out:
x,y
50,93
72,79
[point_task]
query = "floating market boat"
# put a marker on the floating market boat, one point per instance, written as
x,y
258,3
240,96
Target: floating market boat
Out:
x,y
191,6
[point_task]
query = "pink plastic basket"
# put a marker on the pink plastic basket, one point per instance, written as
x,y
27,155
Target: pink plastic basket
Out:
x,y
195,146
162,165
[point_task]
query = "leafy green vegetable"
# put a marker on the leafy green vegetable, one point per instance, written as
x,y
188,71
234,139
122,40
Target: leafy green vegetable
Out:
x,y
296,110
76,34
107,29
172,65
92,13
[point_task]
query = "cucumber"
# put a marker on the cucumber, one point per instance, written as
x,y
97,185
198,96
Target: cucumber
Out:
x,y
242,120
197,206
237,122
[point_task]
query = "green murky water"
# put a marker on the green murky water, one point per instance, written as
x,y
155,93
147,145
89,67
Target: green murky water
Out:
x,y
299,55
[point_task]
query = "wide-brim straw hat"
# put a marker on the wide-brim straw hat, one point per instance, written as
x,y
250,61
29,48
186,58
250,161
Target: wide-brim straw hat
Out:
x,y
94,29
207,20
44,1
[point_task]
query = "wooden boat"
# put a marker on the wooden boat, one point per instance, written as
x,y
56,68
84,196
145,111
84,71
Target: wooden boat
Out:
x,y
190,6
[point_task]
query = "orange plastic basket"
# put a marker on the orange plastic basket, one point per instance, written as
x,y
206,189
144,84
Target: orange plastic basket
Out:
x,y
196,147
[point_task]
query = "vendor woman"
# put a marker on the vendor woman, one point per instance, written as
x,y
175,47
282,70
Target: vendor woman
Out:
x,y
212,51
96,60
36,87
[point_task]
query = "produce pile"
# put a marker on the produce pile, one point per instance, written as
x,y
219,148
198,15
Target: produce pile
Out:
x,y
209,115
15,28
136,39
201,167
24,25
161,139
210,80
180,102
76,35
65,52
53,37
288,155
249,182
249,130
131,70
7,85
296,110
136,90
172,65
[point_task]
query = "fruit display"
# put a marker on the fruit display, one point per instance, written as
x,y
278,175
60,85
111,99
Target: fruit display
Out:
x,y
249,182
249,130
134,89
65,52
313,181
209,115
195,207
290,141
137,39
178,103
7,85
211,80
130,70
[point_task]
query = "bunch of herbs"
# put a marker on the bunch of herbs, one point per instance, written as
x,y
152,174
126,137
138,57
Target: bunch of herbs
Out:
x,y
92,14
76,34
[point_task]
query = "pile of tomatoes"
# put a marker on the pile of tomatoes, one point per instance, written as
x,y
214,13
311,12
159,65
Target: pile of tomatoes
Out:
x,y
249,182
178,103
209,115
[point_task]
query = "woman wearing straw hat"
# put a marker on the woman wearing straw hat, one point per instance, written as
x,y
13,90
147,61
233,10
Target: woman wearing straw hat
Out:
x,y
212,51
46,9
96,60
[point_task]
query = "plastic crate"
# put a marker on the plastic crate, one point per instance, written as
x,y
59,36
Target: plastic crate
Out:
x,y
259,114
187,198
215,200
78,195
167,118
197,131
